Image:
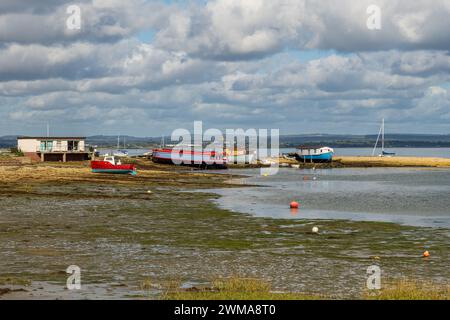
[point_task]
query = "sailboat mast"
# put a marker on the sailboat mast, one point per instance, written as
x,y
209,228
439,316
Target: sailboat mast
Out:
x,y
118,142
378,139
382,136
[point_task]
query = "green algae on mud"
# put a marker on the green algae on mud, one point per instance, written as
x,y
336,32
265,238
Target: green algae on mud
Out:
x,y
118,233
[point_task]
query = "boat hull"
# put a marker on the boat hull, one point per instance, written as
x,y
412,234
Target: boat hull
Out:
x,y
387,154
107,167
324,157
114,171
190,158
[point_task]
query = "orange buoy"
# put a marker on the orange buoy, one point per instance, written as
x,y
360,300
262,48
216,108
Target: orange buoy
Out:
x,y
294,205
426,254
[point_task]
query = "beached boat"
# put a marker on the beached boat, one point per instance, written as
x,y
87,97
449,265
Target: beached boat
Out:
x,y
241,156
189,157
383,153
315,154
120,153
110,165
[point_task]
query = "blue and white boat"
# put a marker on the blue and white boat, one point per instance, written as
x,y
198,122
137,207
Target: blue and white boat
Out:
x,y
315,154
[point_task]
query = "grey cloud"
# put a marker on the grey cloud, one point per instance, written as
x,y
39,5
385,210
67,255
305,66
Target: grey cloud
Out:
x,y
31,62
239,30
228,63
101,21
232,30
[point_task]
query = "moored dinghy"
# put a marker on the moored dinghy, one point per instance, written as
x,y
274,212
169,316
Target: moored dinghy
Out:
x,y
110,165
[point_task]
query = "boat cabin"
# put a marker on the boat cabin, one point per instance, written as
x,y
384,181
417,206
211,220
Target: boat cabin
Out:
x,y
313,150
112,160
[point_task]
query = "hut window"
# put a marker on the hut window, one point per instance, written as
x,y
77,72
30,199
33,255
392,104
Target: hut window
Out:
x,y
46,145
72,145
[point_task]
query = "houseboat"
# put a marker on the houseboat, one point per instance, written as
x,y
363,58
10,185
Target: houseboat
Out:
x,y
314,154
109,164
189,156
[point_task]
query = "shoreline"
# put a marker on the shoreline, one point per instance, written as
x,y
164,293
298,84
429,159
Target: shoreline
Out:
x,y
361,162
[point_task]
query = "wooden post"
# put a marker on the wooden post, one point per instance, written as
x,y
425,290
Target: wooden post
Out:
x,y
42,157
64,157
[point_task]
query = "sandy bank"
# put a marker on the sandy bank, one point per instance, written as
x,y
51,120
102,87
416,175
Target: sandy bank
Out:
x,y
353,161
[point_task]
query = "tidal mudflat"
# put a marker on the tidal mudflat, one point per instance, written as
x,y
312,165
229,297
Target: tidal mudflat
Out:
x,y
131,243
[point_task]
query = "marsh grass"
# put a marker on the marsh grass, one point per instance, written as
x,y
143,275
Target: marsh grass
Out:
x,y
14,281
406,289
234,288
237,288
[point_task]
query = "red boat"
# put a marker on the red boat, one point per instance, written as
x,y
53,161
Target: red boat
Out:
x,y
110,165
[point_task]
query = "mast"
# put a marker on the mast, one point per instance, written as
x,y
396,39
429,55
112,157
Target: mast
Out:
x,y
378,138
382,136
118,142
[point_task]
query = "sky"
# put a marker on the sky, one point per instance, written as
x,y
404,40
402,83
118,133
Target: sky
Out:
x,y
145,68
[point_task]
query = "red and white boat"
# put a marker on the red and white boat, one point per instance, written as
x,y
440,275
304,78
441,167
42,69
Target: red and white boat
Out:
x,y
189,156
109,164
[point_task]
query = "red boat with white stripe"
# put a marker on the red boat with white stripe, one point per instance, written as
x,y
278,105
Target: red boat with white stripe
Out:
x,y
110,165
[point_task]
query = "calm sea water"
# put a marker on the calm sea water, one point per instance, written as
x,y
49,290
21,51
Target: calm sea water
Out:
x,y
417,197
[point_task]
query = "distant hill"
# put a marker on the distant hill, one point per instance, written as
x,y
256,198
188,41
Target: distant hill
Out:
x,y
8,141
286,141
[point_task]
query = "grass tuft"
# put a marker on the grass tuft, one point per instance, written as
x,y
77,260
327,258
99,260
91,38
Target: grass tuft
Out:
x,y
235,289
411,290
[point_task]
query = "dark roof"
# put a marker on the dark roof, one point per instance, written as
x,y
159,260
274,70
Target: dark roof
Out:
x,y
54,138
